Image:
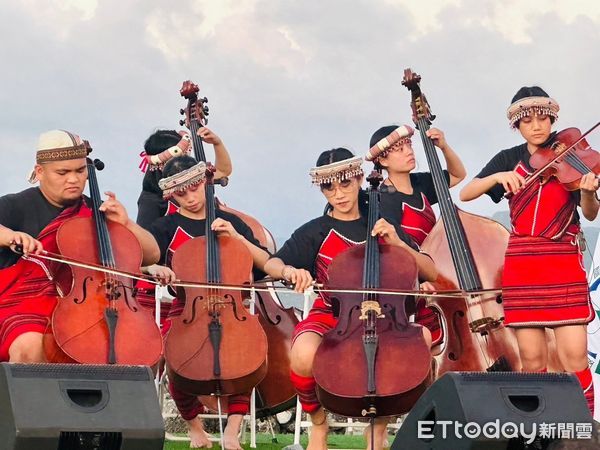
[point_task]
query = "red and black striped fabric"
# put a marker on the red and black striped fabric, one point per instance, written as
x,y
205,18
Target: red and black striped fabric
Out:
x,y
28,294
544,281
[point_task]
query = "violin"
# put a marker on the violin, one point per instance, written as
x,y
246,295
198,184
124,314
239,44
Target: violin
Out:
x,y
568,157
276,392
384,358
99,321
469,253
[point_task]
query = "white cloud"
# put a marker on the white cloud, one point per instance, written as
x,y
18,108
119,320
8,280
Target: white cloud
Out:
x,y
512,19
285,80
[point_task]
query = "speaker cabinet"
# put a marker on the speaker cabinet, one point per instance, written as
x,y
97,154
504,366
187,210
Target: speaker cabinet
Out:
x,y
490,401
73,407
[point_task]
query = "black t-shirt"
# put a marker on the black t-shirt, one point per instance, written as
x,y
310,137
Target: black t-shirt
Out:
x,y
302,248
164,228
151,207
27,211
505,161
422,182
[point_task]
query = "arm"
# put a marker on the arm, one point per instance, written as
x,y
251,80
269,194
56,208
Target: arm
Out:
x,y
454,165
115,211
589,200
278,270
511,181
10,238
222,159
259,256
427,270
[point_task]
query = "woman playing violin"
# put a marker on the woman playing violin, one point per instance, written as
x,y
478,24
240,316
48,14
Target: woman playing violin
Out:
x,y
307,255
184,181
407,196
544,281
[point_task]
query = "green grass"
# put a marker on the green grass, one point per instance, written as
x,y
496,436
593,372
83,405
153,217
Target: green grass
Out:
x,y
263,442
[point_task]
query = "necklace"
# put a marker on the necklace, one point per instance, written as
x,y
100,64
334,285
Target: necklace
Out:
x,y
391,187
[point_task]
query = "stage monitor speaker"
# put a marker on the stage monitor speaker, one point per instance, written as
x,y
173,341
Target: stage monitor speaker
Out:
x,y
79,407
490,401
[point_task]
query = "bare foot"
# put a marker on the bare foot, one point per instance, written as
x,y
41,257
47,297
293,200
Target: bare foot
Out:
x,y
198,437
317,439
232,431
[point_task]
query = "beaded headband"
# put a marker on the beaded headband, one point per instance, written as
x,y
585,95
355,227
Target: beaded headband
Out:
x,y
531,105
398,137
155,162
337,171
183,180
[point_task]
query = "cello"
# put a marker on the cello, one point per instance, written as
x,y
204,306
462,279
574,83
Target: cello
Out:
x,y
215,346
276,392
384,358
100,321
469,253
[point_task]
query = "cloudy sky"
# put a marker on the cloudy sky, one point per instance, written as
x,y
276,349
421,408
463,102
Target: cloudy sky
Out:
x,y
285,81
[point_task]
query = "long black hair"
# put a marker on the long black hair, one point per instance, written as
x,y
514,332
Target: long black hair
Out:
x,y
340,154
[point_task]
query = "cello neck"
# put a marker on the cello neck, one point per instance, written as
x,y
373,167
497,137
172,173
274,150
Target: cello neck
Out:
x,y
197,141
107,258
213,259
371,263
466,270
462,257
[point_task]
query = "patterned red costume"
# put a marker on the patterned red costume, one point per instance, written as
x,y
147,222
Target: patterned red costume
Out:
x,y
416,218
28,292
544,282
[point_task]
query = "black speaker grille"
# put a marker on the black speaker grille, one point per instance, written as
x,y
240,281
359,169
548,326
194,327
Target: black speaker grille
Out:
x,y
76,440
515,376
80,371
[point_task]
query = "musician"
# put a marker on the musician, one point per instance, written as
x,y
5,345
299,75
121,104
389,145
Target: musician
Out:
x,y
307,255
408,196
30,219
544,281
184,181
160,147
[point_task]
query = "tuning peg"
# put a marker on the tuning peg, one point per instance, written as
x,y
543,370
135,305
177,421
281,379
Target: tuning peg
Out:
x,y
182,122
182,111
204,100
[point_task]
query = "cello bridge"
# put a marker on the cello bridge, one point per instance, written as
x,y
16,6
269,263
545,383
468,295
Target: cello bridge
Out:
x,y
368,306
484,324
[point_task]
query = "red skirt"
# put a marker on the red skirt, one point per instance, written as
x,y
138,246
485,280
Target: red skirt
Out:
x,y
544,283
320,320
27,299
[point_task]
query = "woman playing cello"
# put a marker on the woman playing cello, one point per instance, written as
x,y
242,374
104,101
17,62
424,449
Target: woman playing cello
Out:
x,y
407,196
544,281
308,253
184,181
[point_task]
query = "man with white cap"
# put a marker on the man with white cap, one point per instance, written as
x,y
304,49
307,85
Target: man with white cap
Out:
x,y
29,221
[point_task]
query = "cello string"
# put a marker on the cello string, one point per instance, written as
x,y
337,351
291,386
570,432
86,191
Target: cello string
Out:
x,y
451,226
465,269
